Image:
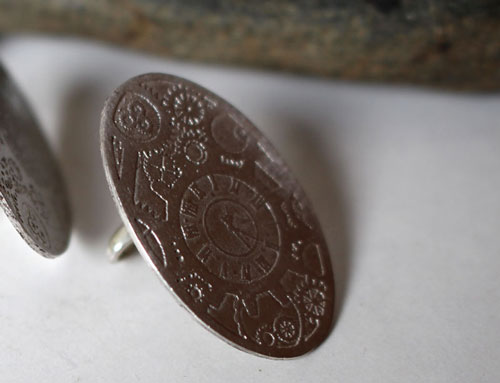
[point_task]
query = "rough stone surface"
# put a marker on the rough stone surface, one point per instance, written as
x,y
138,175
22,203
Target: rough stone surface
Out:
x,y
452,44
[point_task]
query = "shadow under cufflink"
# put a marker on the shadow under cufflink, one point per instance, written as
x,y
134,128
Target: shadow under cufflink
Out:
x,y
79,146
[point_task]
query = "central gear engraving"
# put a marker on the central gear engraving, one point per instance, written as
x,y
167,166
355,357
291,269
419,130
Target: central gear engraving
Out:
x,y
230,228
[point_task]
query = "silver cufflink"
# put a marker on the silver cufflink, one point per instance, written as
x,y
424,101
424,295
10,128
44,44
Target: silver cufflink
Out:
x,y
32,192
212,207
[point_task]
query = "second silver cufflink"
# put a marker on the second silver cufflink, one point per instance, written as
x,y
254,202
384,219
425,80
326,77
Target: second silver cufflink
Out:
x,y
32,192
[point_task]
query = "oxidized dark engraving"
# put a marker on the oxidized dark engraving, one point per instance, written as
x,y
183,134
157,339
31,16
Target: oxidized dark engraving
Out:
x,y
195,286
137,118
191,145
217,213
229,134
31,189
184,105
230,228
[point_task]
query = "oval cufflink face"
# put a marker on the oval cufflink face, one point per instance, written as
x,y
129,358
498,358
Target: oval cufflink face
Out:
x,y
216,211
32,192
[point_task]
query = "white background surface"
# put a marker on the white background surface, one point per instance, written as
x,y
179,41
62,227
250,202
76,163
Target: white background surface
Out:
x,y
406,183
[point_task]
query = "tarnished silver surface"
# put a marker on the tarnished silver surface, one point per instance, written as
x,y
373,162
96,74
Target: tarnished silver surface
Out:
x,y
31,189
217,213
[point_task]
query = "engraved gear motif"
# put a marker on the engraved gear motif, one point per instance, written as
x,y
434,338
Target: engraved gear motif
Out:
x,y
286,329
230,228
184,105
310,294
294,210
195,286
192,145
264,336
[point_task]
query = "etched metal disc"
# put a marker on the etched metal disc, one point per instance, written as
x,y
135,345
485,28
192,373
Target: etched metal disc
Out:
x,y
31,188
212,206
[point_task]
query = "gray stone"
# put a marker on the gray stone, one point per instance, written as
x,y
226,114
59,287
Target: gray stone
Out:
x,y
451,44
